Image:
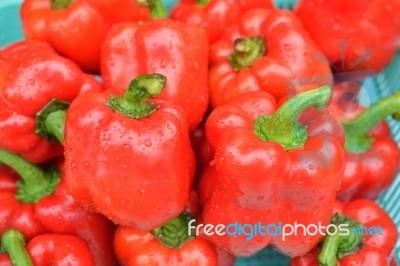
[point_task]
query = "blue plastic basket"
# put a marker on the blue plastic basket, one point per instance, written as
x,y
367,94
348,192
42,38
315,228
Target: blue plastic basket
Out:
x,y
375,87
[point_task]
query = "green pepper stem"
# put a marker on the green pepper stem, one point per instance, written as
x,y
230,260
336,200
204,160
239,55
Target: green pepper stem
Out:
x,y
340,245
50,121
282,127
157,8
174,233
357,129
13,243
36,183
60,4
202,2
134,101
246,51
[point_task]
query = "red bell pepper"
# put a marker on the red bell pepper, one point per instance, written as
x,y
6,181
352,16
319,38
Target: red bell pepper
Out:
x,y
358,248
265,50
122,171
372,154
31,75
45,249
163,46
166,245
353,35
264,159
40,204
76,29
214,15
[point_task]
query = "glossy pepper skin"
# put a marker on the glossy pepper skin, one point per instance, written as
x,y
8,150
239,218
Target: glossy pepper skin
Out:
x,y
132,49
168,245
356,35
31,75
214,15
45,249
138,163
258,175
376,249
372,162
265,50
52,212
76,29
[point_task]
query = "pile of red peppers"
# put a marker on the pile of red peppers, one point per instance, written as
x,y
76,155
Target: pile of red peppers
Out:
x,y
122,127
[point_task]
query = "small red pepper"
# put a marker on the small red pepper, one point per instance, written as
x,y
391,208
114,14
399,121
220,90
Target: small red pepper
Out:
x,y
31,76
45,249
214,15
353,35
264,159
137,164
169,244
266,50
364,249
372,154
76,29
175,50
40,204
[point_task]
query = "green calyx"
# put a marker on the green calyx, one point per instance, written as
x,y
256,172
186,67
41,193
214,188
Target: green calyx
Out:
x,y
357,130
282,127
134,101
60,4
50,121
36,183
246,51
174,233
202,2
338,246
13,243
157,8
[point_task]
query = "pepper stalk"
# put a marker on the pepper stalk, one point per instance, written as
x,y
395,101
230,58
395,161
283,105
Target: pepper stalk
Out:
x,y
157,8
174,233
282,127
357,130
13,243
36,183
338,246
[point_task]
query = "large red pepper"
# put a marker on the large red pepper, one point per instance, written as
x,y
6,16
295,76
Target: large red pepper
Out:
x,y
353,35
265,50
372,154
77,28
214,15
169,244
31,75
175,50
43,250
269,168
40,204
137,164
360,248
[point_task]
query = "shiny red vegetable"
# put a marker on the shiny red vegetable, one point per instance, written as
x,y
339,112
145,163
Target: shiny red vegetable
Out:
x,y
31,76
167,47
137,164
364,249
40,204
166,245
269,168
353,34
214,15
373,156
44,250
266,50
77,28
